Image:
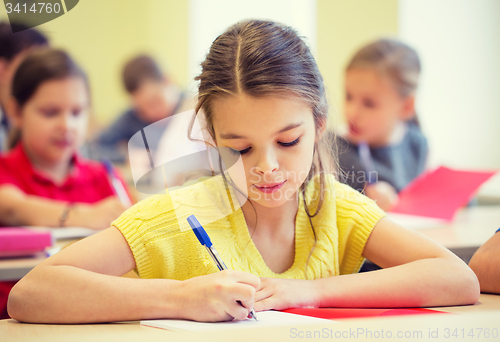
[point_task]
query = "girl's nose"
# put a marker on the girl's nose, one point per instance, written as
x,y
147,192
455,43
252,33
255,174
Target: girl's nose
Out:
x,y
351,110
267,162
63,121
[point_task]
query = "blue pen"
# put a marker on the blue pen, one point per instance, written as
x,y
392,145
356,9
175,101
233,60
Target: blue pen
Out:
x,y
117,184
202,236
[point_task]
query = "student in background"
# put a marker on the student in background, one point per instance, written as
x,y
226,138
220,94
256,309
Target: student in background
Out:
x,y
486,264
154,97
380,84
13,49
43,181
296,240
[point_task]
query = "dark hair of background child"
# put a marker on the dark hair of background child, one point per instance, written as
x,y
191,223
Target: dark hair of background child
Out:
x,y
141,68
12,44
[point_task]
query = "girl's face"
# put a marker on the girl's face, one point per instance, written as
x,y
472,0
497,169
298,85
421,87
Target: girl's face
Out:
x,y
53,121
373,107
151,100
275,136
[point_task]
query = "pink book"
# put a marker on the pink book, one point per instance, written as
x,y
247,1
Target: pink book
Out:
x,y
440,193
18,241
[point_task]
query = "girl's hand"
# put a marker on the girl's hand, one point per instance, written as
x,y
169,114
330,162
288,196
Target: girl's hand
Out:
x,y
383,193
281,294
96,216
214,297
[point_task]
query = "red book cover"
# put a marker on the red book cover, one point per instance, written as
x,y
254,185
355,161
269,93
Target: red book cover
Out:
x,y
342,313
440,193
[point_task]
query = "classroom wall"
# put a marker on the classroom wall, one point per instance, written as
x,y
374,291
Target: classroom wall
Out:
x,y
210,18
459,97
343,27
102,35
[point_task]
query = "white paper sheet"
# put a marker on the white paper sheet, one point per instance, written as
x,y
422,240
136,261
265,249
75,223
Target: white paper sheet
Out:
x,y
265,319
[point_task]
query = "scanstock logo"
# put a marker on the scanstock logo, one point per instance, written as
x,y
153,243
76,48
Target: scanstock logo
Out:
x,y
36,12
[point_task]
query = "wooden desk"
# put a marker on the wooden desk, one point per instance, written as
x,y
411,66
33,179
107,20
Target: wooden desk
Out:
x,y
12,269
472,227
489,193
469,230
484,315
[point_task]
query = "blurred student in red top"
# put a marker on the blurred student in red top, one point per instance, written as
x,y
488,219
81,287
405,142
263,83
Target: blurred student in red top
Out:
x,y
43,182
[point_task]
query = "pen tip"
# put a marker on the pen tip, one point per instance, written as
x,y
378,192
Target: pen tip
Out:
x,y
253,315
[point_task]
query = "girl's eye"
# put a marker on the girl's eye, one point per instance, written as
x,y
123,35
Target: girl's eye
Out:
x,y
49,112
76,112
240,152
290,144
246,150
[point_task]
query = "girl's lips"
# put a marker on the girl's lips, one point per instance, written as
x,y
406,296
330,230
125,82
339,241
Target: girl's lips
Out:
x,y
63,143
270,188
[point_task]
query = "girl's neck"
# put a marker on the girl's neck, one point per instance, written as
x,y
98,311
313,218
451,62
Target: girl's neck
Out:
x,y
55,171
399,133
270,219
395,137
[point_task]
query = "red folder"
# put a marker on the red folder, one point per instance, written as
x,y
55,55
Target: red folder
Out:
x,y
19,241
336,314
440,193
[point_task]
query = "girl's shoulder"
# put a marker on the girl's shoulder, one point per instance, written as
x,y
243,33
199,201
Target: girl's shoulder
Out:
x,y
415,137
13,156
335,195
90,168
15,166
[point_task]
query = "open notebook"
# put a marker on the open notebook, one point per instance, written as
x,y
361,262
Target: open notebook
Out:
x,y
265,319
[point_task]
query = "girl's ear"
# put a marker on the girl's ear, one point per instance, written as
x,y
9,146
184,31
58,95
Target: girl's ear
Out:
x,y
408,108
320,130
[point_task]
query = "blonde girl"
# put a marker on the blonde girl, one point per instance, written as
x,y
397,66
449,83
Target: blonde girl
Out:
x,y
381,81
